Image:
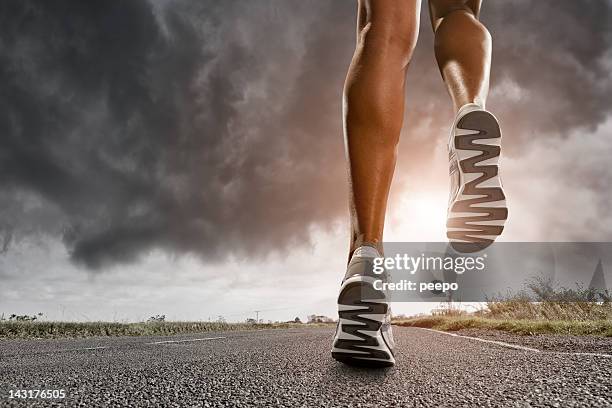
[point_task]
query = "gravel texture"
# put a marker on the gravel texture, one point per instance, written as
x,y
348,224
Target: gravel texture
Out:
x,y
293,368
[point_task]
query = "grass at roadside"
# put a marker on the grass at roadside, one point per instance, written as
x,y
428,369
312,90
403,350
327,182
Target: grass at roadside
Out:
x,y
517,326
37,329
543,307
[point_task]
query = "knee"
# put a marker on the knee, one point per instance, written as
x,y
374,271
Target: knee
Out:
x,y
462,23
394,36
456,12
443,8
450,17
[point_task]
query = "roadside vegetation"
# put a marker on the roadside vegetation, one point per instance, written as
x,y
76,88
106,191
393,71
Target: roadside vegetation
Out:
x,y
13,328
41,329
541,308
525,327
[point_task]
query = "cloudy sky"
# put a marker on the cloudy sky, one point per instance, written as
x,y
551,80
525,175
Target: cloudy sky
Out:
x,y
186,157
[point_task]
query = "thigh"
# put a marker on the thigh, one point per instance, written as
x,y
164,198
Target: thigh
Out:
x,y
438,9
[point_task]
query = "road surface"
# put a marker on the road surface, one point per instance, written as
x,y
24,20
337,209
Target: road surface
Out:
x,y
293,368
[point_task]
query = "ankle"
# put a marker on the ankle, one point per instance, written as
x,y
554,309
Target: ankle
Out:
x,y
468,107
361,241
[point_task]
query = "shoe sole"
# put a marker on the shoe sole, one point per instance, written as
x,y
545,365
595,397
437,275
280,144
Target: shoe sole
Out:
x,y
359,340
478,213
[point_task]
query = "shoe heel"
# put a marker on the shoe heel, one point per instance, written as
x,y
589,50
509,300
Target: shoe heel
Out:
x,y
478,214
359,340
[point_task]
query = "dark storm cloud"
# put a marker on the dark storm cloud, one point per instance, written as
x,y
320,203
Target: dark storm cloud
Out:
x,y
214,127
560,54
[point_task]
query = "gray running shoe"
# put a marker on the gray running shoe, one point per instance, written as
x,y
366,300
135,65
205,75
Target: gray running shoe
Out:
x,y
363,335
477,204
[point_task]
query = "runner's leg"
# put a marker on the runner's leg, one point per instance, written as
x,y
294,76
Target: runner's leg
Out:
x,y
463,49
373,109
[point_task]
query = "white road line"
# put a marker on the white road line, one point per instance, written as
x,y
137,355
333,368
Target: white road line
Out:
x,y
499,343
517,347
186,340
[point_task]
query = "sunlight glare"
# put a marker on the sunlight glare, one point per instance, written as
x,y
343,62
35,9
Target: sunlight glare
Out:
x,y
418,218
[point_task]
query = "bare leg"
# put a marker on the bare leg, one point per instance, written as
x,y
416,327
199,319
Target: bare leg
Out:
x,y
373,108
463,49
477,204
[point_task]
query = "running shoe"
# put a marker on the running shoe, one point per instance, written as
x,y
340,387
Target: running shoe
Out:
x,y
477,205
363,335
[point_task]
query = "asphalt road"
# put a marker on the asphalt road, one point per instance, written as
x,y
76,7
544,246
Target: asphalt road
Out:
x,y
293,368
